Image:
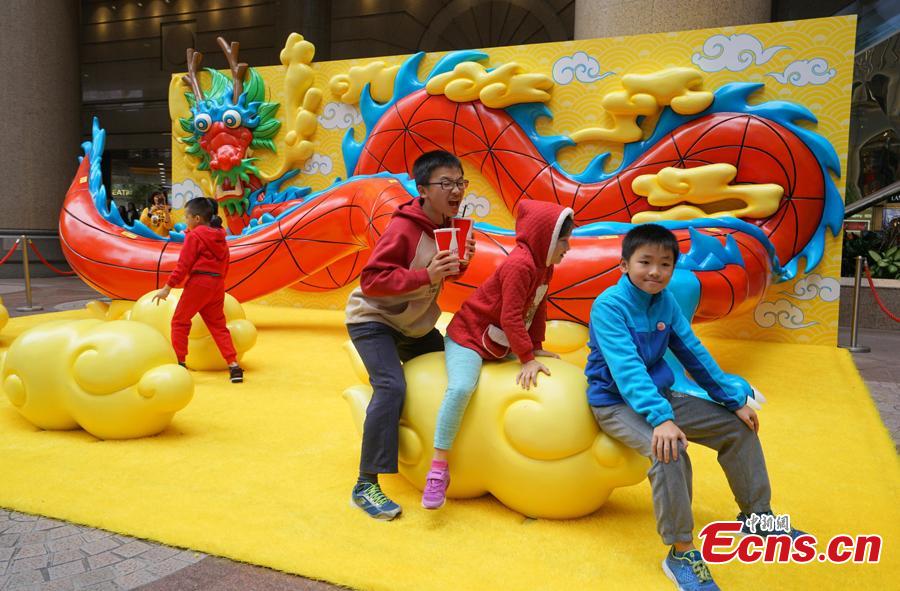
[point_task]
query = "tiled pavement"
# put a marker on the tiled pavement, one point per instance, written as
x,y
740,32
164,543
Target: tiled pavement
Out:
x,y
43,554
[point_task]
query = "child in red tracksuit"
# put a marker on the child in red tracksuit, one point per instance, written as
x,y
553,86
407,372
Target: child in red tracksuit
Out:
x,y
506,314
203,262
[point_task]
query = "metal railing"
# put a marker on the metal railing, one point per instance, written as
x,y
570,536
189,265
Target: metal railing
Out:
x,y
872,200
25,242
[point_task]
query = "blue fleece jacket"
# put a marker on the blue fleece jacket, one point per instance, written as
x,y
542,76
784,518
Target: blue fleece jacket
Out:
x,y
630,331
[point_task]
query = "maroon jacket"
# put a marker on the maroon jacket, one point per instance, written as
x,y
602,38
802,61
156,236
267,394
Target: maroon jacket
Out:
x,y
204,250
394,285
508,312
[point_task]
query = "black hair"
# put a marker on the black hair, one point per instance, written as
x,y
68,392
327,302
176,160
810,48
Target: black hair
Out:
x,y
160,193
206,208
649,235
567,226
429,161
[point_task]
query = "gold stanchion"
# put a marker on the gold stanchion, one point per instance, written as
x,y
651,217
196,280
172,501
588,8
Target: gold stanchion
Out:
x,y
28,307
854,346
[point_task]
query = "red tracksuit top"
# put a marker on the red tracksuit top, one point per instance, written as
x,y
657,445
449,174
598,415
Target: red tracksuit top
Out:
x,y
205,249
508,311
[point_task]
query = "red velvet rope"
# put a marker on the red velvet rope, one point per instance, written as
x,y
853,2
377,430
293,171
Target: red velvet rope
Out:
x,y
875,293
47,264
11,250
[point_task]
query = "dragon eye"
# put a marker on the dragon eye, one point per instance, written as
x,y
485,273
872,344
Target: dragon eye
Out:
x,y
231,118
202,122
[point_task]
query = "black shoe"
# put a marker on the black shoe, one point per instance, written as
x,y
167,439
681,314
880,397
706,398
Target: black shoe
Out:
x,y
181,363
237,374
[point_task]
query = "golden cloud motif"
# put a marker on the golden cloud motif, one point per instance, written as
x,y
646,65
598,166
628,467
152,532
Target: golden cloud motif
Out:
x,y
501,87
707,188
644,95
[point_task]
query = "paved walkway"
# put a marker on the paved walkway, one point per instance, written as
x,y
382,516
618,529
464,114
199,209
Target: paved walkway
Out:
x,y
43,554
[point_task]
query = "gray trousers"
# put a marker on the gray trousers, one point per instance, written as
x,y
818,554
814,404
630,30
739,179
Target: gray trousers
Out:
x,y
706,423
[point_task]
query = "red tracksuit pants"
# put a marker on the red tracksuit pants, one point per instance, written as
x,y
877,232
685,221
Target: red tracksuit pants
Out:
x,y
203,294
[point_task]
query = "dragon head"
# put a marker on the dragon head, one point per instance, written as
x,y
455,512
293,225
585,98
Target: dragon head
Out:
x,y
228,122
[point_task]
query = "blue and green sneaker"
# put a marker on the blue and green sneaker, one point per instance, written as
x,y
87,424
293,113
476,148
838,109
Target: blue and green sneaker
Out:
x,y
368,497
688,571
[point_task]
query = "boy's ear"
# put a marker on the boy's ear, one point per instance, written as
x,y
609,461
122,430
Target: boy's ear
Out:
x,y
623,266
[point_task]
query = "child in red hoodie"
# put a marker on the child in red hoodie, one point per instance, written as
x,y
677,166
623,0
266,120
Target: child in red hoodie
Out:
x,y
507,313
203,262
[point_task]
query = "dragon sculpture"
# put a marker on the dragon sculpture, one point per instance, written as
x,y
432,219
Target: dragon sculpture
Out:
x,y
692,174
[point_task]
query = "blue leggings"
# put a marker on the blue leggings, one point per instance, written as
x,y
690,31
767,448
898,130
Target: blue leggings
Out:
x,y
463,371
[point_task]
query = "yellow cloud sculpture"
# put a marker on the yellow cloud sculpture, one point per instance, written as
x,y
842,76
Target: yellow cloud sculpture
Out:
x,y
202,351
538,452
707,187
114,310
301,100
380,78
4,315
501,87
116,380
644,95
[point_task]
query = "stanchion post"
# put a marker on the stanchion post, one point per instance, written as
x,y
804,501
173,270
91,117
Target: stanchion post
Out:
x,y
28,307
854,346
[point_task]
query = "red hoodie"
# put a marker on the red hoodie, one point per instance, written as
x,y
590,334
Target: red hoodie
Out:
x,y
204,250
508,312
394,286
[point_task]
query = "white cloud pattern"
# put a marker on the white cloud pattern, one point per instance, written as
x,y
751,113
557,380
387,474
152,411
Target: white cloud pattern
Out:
x,y
475,205
339,116
185,191
803,72
781,312
578,66
318,164
815,286
733,52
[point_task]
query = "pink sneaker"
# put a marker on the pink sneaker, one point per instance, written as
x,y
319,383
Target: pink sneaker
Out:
x,y
435,492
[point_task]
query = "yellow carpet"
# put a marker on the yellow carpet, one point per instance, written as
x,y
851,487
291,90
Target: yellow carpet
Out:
x,y
261,472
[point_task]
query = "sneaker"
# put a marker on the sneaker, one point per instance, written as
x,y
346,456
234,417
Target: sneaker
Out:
x,y
237,374
182,364
435,492
368,497
688,572
766,524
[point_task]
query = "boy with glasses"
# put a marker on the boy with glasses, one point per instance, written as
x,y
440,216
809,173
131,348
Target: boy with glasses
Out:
x,y
391,315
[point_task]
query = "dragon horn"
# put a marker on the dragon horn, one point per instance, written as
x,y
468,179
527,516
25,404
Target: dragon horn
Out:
x,y
238,69
190,79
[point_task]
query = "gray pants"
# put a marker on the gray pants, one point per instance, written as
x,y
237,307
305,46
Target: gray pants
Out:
x,y
709,424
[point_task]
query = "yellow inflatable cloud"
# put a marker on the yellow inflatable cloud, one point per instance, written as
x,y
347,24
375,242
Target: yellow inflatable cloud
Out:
x,y
4,315
539,452
116,380
114,310
202,351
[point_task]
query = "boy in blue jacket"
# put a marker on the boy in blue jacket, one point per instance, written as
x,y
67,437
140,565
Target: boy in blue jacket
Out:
x,y
632,324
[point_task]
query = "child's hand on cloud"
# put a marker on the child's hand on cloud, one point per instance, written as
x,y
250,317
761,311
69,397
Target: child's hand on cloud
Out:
x,y
544,353
528,375
161,295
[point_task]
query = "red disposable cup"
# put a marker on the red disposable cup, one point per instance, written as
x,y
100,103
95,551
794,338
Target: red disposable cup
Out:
x,y
465,232
446,239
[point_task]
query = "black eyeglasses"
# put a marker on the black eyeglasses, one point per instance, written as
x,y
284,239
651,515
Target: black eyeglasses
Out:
x,y
448,185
